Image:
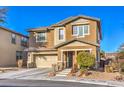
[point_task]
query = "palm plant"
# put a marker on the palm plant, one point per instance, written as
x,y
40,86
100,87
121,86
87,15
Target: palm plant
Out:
x,y
2,14
102,54
121,52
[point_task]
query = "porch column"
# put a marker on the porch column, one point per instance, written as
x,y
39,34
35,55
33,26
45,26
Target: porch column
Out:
x,y
61,56
30,59
75,58
64,59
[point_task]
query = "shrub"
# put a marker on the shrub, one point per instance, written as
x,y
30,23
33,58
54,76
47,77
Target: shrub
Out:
x,y
75,68
85,60
121,54
119,78
122,66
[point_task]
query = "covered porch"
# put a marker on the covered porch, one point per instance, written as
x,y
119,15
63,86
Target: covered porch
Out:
x,y
68,56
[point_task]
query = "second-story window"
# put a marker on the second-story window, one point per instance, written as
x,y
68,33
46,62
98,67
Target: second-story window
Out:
x,y
61,34
86,29
41,37
13,38
80,30
24,41
75,30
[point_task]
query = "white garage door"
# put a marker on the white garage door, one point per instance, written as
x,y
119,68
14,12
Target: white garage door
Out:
x,y
45,61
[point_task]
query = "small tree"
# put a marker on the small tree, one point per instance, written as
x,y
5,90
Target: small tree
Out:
x,y
121,54
85,60
121,51
2,14
102,54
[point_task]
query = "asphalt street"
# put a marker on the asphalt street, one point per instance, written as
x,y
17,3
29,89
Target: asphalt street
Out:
x,y
42,83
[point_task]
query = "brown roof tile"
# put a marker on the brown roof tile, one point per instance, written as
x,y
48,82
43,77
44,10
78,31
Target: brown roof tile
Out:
x,y
66,21
72,18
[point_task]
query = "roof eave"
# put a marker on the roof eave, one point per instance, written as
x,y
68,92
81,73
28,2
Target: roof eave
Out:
x,y
62,44
13,32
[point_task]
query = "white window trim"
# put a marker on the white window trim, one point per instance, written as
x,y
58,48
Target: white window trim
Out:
x,y
63,35
15,37
88,30
77,35
42,40
23,38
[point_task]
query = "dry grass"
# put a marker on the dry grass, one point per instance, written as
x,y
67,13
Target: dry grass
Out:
x,y
101,75
2,69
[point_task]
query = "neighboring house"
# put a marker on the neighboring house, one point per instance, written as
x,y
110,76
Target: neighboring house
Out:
x,y
114,56
61,42
111,55
11,47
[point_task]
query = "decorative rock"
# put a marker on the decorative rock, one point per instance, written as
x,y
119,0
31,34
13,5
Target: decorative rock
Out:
x,y
51,74
20,63
119,77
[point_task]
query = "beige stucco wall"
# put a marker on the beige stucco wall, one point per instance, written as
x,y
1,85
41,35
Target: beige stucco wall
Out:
x,y
7,49
56,35
75,46
92,30
52,38
52,34
92,37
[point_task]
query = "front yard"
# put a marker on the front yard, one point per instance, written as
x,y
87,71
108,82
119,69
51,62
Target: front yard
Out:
x,y
101,75
7,69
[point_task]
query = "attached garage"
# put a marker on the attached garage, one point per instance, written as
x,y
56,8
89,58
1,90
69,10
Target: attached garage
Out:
x,y
45,60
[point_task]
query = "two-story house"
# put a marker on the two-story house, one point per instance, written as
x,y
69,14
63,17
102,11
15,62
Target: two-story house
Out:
x,y
11,47
61,42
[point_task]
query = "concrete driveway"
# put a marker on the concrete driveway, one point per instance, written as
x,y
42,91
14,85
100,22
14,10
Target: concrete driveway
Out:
x,y
26,73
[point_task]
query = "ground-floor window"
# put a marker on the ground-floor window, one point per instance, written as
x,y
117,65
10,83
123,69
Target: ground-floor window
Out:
x,y
19,55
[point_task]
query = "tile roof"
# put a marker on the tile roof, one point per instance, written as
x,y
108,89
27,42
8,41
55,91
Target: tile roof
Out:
x,y
63,22
66,21
69,19
40,29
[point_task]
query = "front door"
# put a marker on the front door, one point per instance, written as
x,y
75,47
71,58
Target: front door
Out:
x,y
69,59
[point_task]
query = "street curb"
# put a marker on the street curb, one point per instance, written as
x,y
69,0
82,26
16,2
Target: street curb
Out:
x,y
90,81
86,81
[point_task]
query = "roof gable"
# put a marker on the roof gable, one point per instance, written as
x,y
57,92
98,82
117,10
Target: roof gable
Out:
x,y
74,18
71,19
76,40
75,43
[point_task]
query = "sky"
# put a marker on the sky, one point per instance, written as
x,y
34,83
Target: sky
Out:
x,y
21,18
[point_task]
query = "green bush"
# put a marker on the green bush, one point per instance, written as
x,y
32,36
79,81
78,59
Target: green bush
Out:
x,y
122,65
85,60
